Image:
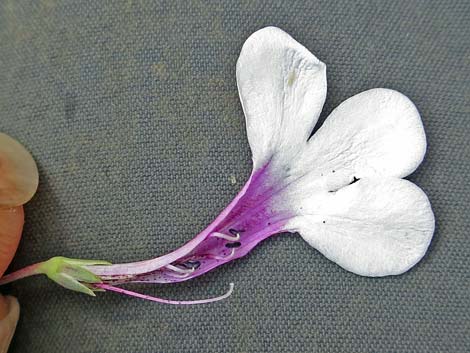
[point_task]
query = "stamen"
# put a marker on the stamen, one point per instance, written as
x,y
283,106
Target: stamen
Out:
x,y
164,301
117,277
223,257
191,264
179,269
236,244
227,237
180,272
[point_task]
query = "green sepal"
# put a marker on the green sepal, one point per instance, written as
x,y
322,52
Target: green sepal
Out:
x,y
81,262
71,283
72,273
94,288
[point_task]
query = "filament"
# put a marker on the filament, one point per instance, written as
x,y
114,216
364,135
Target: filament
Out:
x,y
227,237
223,257
180,270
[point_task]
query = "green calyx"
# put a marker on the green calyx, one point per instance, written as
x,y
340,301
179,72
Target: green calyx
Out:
x,y
72,273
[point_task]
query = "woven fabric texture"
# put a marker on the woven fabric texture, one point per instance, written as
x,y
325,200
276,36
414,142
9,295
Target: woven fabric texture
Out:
x,y
131,111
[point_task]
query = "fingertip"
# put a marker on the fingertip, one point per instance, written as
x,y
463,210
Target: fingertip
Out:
x,y
8,323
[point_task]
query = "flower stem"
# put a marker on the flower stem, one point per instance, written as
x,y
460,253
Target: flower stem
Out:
x,y
30,270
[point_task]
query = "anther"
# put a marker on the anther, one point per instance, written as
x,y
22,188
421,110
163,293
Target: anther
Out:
x,y
233,245
233,231
183,271
191,264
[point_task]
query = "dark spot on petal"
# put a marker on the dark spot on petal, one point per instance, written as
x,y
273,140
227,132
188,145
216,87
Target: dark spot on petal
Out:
x,y
324,222
354,180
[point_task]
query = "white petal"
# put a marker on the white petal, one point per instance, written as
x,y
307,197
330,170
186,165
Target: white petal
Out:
x,y
282,88
374,227
376,132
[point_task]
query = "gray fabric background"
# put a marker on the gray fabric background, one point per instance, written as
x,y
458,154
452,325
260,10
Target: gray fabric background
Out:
x,y
131,111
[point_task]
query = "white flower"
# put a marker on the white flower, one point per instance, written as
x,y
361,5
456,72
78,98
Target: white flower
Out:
x,y
341,189
343,185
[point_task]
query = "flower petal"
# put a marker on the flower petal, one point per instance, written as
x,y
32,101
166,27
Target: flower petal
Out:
x,y
376,132
374,227
282,88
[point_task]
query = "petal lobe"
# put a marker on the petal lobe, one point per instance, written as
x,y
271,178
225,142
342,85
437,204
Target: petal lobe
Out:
x,y
282,89
374,227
